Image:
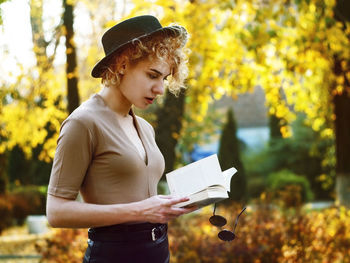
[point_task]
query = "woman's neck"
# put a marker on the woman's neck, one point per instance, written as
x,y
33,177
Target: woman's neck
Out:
x,y
115,100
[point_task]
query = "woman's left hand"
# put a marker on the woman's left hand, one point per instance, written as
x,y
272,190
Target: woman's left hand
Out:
x,y
161,209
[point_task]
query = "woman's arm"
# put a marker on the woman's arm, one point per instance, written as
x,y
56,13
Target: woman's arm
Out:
x,y
68,213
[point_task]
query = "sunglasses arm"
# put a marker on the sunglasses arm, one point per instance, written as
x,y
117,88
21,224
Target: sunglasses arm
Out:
x,y
234,229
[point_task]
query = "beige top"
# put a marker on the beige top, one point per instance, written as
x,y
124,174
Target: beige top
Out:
x,y
96,157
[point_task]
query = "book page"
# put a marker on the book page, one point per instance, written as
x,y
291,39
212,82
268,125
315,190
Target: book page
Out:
x,y
227,177
195,177
206,197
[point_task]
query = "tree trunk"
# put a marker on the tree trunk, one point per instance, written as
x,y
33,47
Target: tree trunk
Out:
x,y
342,138
169,126
71,64
36,21
3,173
342,121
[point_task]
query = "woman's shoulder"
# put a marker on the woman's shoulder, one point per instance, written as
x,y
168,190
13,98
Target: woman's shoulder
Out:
x,y
86,114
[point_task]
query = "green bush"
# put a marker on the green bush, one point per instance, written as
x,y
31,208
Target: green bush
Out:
x,y
289,188
229,155
256,186
304,153
26,171
27,200
20,202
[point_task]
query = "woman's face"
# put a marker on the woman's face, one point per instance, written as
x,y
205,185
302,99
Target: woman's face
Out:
x,y
143,82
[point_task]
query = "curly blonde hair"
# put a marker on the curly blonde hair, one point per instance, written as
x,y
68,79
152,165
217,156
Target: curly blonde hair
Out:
x,y
159,45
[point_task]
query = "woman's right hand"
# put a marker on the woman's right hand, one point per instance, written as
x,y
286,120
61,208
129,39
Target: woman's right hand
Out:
x,y
160,208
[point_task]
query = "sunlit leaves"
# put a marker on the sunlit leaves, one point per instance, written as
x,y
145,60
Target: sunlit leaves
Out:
x,y
300,51
29,118
286,47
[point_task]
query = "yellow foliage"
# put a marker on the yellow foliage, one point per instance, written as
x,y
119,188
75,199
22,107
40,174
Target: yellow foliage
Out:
x,y
71,2
317,123
25,122
286,131
286,48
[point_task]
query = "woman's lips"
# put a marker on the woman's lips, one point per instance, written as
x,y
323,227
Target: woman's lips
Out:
x,y
149,100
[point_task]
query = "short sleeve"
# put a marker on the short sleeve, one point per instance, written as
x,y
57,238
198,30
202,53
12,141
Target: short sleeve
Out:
x,y
72,158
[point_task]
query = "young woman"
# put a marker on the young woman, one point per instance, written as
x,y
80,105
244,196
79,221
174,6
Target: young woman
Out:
x,y
109,154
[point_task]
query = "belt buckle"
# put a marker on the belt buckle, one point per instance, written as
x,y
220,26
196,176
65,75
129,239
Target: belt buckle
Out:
x,y
153,232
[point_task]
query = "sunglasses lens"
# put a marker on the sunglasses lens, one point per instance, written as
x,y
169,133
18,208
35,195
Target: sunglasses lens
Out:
x,y
217,221
226,235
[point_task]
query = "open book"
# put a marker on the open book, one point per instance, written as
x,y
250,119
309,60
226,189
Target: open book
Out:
x,y
202,181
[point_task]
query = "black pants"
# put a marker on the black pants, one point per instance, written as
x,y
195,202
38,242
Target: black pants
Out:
x,y
128,244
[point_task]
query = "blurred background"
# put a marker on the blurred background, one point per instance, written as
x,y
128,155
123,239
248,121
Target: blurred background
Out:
x,y
268,91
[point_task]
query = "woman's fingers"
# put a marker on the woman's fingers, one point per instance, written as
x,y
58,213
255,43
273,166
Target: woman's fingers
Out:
x,y
161,208
165,196
176,200
176,211
173,200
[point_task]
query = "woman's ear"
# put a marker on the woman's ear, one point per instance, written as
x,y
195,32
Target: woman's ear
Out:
x,y
122,71
122,65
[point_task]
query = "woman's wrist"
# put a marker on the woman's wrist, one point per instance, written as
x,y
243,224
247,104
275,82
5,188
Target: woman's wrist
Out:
x,y
130,212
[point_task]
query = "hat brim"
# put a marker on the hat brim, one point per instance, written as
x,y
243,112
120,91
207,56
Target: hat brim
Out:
x,y
171,31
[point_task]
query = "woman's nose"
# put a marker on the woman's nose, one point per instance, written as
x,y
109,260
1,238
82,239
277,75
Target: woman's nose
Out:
x,y
158,88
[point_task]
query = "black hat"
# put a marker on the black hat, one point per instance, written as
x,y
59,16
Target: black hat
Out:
x,y
123,33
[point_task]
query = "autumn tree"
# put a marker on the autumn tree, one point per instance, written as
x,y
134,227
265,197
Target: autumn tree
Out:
x,y
342,107
295,47
71,63
299,48
32,107
306,50
206,57
29,94
36,100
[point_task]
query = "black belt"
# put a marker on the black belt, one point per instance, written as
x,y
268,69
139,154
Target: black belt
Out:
x,y
122,232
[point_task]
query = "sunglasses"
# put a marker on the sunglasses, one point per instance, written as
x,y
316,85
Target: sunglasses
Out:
x,y
220,221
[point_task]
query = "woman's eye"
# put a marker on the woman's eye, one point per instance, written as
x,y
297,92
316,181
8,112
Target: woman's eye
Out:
x,y
152,76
